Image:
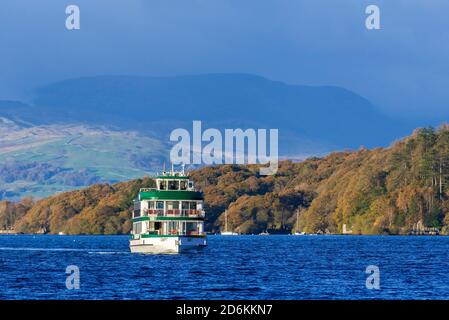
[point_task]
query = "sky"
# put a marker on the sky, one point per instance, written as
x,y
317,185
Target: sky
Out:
x,y
402,68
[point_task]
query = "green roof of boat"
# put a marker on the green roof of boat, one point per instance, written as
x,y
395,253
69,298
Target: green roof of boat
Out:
x,y
172,177
170,195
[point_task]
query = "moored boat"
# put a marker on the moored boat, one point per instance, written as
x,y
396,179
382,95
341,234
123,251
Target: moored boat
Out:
x,y
226,232
297,232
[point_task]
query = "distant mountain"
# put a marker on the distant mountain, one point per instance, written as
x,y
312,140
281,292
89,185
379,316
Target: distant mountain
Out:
x,y
112,128
311,119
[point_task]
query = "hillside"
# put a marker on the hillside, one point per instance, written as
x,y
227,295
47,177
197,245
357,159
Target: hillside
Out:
x,y
44,159
107,129
380,191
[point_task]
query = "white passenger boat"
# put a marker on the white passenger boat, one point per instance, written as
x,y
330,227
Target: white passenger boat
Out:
x,y
168,218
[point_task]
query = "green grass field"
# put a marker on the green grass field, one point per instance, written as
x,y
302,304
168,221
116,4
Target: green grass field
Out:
x,y
109,155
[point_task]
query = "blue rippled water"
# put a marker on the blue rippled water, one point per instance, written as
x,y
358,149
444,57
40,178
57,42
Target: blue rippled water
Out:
x,y
242,267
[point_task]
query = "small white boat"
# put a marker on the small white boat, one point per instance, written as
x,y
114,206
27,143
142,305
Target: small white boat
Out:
x,y
229,233
265,233
226,232
297,233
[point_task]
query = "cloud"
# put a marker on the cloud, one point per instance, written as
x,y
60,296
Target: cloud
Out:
x,y
321,42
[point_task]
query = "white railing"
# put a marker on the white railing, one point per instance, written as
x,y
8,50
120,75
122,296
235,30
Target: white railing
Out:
x,y
173,213
154,212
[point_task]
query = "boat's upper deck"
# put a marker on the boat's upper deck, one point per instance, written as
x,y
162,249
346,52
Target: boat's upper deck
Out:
x,y
154,194
171,186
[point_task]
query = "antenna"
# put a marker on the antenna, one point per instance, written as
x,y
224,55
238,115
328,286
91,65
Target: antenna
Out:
x,y
183,166
172,169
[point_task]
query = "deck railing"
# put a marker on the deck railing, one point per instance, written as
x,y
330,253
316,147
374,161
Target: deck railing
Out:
x,y
154,212
184,213
172,233
174,213
189,233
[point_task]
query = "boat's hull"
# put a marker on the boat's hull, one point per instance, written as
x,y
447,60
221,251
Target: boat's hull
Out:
x,y
170,244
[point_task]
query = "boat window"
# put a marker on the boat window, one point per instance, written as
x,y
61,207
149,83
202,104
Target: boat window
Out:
x,y
162,185
159,204
137,228
172,226
183,184
173,184
191,227
190,184
185,205
193,205
150,204
172,205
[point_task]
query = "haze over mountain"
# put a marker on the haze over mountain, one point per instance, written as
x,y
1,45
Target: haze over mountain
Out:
x,y
136,115
317,119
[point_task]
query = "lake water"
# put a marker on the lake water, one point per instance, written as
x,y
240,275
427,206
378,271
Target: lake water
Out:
x,y
241,267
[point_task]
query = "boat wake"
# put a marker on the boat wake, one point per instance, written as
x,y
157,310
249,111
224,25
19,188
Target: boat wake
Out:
x,y
109,252
88,250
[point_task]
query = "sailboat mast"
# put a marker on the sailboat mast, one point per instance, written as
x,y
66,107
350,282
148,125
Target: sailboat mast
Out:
x,y
297,220
226,220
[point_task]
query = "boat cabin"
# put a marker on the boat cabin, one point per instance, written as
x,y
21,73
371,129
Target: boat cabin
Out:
x,y
172,208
